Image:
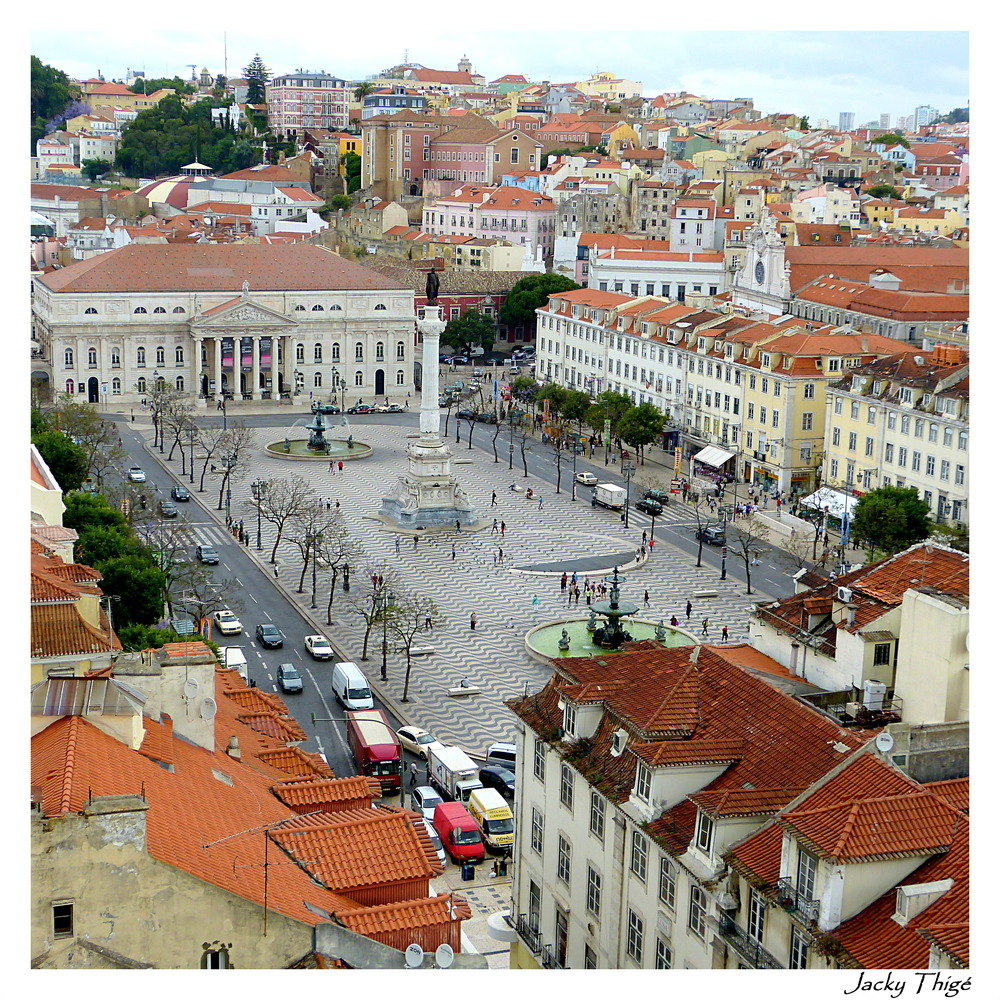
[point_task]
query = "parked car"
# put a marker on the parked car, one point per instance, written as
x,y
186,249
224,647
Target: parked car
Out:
x,y
504,754
660,496
180,494
465,414
318,647
168,508
495,776
423,799
649,507
457,386
486,418
417,740
393,408
270,636
445,356
586,478
326,408
136,475
478,372
289,679
711,535
227,623
459,359
207,554
515,370
435,839
361,408
459,832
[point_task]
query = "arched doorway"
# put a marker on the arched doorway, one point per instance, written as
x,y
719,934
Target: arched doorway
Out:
x,y
379,382
41,388
204,385
414,189
93,390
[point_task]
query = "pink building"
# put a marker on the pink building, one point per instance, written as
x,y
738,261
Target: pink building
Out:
x,y
297,101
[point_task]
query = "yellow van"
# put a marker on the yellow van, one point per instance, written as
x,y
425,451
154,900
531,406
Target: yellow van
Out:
x,y
493,816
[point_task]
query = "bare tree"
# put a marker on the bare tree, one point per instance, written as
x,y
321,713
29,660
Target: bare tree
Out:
x,y
172,543
698,508
281,500
210,439
522,434
176,419
747,542
411,613
159,398
235,444
306,530
368,604
100,439
202,594
336,548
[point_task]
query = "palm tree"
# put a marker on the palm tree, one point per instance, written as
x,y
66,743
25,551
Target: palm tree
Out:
x,y
363,89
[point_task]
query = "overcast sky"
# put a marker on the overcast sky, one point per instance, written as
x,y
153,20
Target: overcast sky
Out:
x,y
814,73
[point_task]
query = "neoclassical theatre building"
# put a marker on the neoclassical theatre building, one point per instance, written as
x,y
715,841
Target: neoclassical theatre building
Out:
x,y
250,321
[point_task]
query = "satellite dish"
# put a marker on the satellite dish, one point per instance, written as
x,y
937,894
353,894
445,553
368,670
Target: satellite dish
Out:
x,y
190,688
208,709
413,956
444,956
884,742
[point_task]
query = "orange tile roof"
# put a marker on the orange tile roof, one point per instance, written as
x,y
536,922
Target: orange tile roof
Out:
x,y
378,921
953,790
744,801
336,794
58,630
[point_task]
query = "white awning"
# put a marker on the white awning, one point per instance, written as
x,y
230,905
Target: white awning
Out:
x,y
716,457
832,500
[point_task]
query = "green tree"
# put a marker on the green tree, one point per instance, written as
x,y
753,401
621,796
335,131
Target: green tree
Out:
x,y
175,83
803,124
883,191
138,637
257,75
89,510
66,460
529,294
338,201
891,518
95,168
100,544
608,405
471,329
139,586
51,91
555,394
363,89
640,426
352,172
889,138
954,116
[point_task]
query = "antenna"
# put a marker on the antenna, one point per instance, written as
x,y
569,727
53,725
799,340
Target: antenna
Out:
x,y
225,59
192,65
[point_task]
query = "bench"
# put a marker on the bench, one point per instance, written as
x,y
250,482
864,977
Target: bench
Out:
x,y
423,650
461,692
706,593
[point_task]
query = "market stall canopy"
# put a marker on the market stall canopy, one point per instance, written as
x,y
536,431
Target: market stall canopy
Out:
x,y
716,457
832,499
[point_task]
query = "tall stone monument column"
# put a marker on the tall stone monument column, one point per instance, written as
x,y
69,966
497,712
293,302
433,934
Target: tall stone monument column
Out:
x,y
428,495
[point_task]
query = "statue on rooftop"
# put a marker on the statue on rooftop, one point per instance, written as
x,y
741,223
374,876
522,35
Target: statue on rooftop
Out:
x,y
433,283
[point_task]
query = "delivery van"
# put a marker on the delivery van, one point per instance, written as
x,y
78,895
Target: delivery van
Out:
x,y
234,658
493,817
458,831
351,687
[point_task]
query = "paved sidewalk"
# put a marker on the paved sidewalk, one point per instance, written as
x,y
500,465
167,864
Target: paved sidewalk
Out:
x,y
493,656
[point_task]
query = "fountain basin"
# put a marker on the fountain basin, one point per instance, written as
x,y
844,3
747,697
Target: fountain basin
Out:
x,y
300,451
542,642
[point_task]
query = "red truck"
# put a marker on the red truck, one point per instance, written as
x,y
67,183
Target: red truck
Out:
x,y
375,747
460,836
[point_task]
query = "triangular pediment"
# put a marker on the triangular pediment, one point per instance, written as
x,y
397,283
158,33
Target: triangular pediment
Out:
x,y
240,312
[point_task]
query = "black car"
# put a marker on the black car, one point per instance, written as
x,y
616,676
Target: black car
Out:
x,y
361,408
207,554
649,507
326,408
660,496
270,636
465,414
486,418
168,508
459,360
180,493
711,535
493,776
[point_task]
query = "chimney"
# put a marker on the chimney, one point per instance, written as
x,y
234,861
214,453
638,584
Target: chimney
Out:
x,y
234,748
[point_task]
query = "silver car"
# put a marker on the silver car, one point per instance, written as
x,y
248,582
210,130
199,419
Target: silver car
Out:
x,y
423,799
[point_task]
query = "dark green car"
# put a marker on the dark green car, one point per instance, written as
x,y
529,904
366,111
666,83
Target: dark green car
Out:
x,y
660,496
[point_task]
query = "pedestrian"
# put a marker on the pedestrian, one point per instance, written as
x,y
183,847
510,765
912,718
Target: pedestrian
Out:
x,y
576,595
562,582
704,626
336,503
276,571
331,467
453,551
397,545
340,466
573,578
493,502
645,598
415,541
495,527
535,601
539,503
644,537
500,556
458,525
503,528
673,621
687,610
725,633
588,597
328,505
413,774
427,623
472,621
652,542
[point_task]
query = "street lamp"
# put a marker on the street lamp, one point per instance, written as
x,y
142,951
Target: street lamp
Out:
x,y
257,492
192,432
338,383
157,415
228,461
725,552
314,545
628,471
386,601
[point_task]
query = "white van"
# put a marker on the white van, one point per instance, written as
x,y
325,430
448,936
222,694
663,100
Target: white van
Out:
x,y
234,658
351,687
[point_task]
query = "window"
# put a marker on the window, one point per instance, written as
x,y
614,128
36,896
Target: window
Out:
x,y
400,378
215,958
380,351
537,829
963,440
137,310
931,462
179,355
869,446
663,956
300,309
902,457
90,311
161,356
380,308
563,860
852,441
807,421
882,650
698,911
140,356
91,357
668,882
959,475
633,944
589,957
359,352
140,386
539,760
317,353
593,891
798,951
932,432
116,357
755,917
643,781
159,309
704,831
400,351
177,309
179,383
62,920
569,719
335,351
116,387
838,405
836,435
597,815
805,877
300,352
68,357
639,852
809,391
891,421
855,410
566,786
871,414
318,380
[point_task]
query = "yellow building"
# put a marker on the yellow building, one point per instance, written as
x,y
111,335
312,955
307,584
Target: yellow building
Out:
x,y
879,210
115,95
609,87
926,221
712,163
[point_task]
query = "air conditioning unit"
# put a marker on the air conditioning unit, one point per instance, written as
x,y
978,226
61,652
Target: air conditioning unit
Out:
x,y
874,695
844,594
852,708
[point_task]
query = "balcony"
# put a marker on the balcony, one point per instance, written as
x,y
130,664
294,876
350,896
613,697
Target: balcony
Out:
x,y
749,949
528,932
790,899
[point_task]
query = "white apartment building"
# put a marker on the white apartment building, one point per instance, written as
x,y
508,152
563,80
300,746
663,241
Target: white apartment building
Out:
x,y
657,272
